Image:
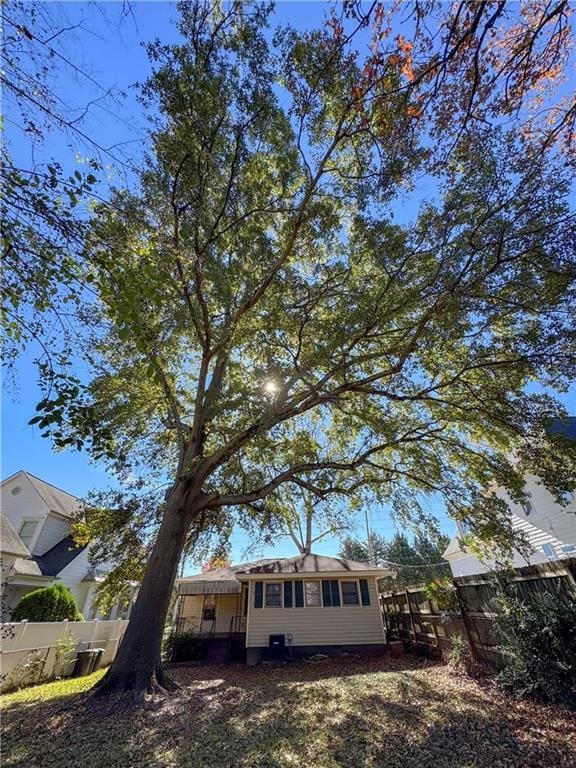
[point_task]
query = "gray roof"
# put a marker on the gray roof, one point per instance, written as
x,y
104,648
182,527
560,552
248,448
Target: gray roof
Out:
x,y
57,500
27,568
10,542
301,564
224,574
95,574
57,558
308,564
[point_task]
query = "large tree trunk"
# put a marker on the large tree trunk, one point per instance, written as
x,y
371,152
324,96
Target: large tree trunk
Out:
x,y
137,666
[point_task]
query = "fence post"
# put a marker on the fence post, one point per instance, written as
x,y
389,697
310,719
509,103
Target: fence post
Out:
x,y
412,624
463,611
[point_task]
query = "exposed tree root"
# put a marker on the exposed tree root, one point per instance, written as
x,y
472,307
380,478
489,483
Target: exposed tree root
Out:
x,y
148,690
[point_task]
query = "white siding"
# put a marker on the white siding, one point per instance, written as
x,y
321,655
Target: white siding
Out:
x,y
344,625
553,520
547,523
54,529
469,564
72,576
27,505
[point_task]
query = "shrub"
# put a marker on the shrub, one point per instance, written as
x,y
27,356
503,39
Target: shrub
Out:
x,y
28,672
55,603
65,654
538,641
187,646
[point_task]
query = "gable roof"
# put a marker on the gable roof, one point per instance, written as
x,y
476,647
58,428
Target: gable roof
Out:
x,y
57,500
228,580
57,558
10,542
310,563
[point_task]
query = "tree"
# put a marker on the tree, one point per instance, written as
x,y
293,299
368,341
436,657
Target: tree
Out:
x,y
425,551
262,320
45,200
54,603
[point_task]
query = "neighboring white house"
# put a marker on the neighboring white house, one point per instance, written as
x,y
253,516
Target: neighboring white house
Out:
x,y
36,547
549,527
299,605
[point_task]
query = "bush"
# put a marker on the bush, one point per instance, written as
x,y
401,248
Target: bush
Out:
x,y
538,641
55,603
187,646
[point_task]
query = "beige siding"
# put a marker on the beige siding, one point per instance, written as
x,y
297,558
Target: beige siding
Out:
x,y
227,607
344,625
191,607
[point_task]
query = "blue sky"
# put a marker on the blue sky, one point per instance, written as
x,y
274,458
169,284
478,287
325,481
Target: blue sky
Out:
x,y
108,48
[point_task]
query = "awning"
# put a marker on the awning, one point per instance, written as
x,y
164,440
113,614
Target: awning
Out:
x,y
209,587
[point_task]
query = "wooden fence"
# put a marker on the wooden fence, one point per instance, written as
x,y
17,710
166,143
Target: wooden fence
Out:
x,y
410,616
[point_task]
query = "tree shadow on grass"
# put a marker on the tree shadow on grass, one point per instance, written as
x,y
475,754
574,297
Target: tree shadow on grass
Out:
x,y
367,715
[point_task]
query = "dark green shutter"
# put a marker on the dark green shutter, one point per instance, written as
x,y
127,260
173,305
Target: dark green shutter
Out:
x,y
335,593
365,594
326,594
258,594
299,594
287,594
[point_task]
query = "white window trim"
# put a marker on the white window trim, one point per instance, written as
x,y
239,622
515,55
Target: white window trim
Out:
x,y
313,581
272,607
36,533
358,594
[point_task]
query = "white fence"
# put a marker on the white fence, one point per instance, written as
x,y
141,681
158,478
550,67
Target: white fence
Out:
x,y
26,640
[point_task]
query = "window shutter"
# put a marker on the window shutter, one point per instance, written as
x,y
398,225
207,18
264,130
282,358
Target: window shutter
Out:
x,y
258,594
364,592
299,594
335,593
287,594
326,594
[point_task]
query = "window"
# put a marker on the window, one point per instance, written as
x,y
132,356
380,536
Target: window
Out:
x,y
364,592
209,609
350,593
273,595
312,593
548,550
299,594
569,549
330,594
27,531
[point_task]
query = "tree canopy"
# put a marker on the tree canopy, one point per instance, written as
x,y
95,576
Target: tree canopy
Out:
x,y
412,562
268,320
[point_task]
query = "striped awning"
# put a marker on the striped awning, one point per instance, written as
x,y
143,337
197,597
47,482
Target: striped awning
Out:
x,y
209,587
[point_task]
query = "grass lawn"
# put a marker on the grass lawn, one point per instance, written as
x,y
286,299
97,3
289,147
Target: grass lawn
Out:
x,y
353,714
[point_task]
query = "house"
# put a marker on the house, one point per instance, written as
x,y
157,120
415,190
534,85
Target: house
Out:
x,y
288,607
37,548
549,527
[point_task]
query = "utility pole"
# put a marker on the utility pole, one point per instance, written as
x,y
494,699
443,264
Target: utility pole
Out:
x,y
369,539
